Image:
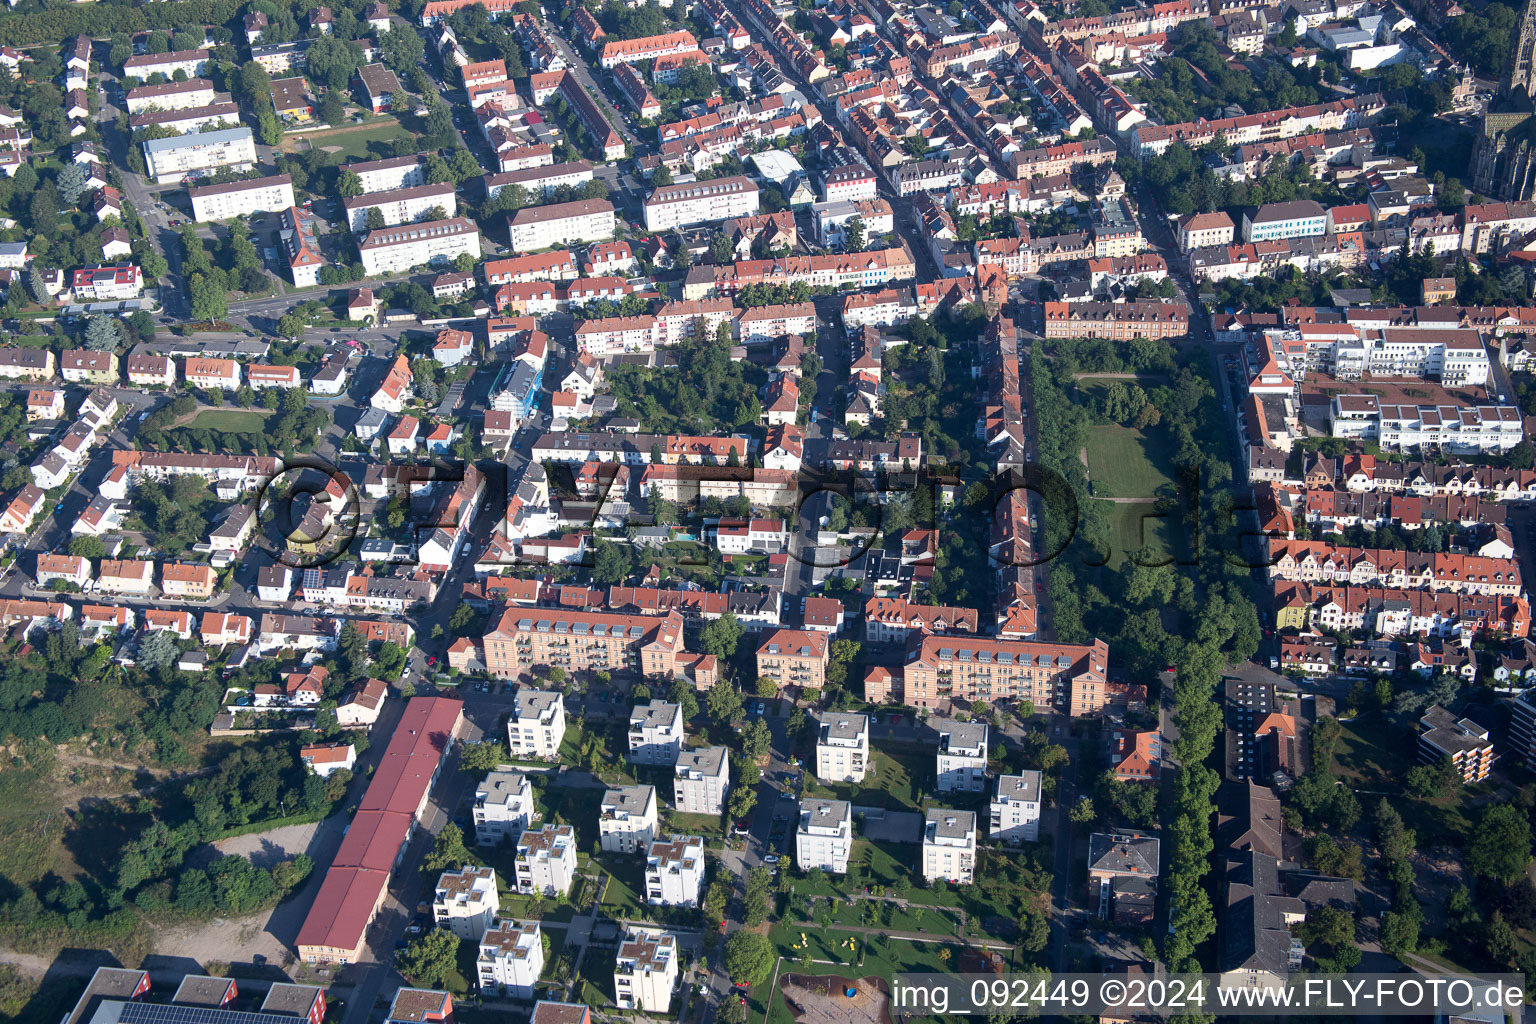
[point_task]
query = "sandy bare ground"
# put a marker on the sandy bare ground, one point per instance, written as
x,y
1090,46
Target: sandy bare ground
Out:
x,y
269,934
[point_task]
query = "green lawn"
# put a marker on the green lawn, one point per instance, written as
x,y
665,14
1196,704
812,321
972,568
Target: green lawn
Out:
x,y
1126,463
897,782
230,421
351,141
871,956
1374,756
1134,527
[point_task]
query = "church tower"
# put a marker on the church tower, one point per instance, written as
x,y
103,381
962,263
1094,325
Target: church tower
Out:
x,y
1521,79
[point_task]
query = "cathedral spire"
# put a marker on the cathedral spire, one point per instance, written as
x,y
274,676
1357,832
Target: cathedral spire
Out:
x,y
1521,79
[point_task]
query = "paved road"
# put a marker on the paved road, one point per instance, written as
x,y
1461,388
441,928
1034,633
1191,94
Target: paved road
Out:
x,y
583,71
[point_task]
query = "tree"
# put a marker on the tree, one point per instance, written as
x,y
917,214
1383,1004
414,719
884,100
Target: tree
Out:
x,y
402,48
373,220
159,650
742,800
721,636
333,112
755,738
683,695
268,130
853,233
448,850
86,546
103,334
748,957
1082,812
329,61
1501,846
609,563
71,184
767,686
209,300
430,958
483,756
723,702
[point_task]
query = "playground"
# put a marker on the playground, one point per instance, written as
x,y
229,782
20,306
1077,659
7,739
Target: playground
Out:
x,y
824,999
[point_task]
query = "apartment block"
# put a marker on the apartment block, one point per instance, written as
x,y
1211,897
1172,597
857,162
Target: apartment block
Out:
x,y
655,733
430,243
581,641
511,959
503,807
949,846
1073,677
795,657
700,202
391,173
546,860
699,780
962,756
824,837
560,224
645,972
1442,734
171,158
537,725
1015,809
842,747
626,820
465,901
401,205
674,871
194,92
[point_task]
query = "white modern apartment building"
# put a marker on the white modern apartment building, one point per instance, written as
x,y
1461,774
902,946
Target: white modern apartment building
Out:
x,y
242,198
962,756
842,747
655,733
511,958
1456,358
392,173
194,92
626,821
401,205
465,901
560,224
546,860
700,202
824,837
433,242
674,871
172,158
537,725
1015,810
503,807
700,779
645,972
1459,430
1300,218
949,846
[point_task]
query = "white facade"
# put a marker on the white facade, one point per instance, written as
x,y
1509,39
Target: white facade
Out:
x,y
197,92
825,836
242,198
842,747
511,959
700,779
645,972
949,846
537,725
546,860
391,250
168,159
962,757
503,807
626,821
401,205
466,901
674,872
383,175
700,202
1015,810
655,733
542,227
